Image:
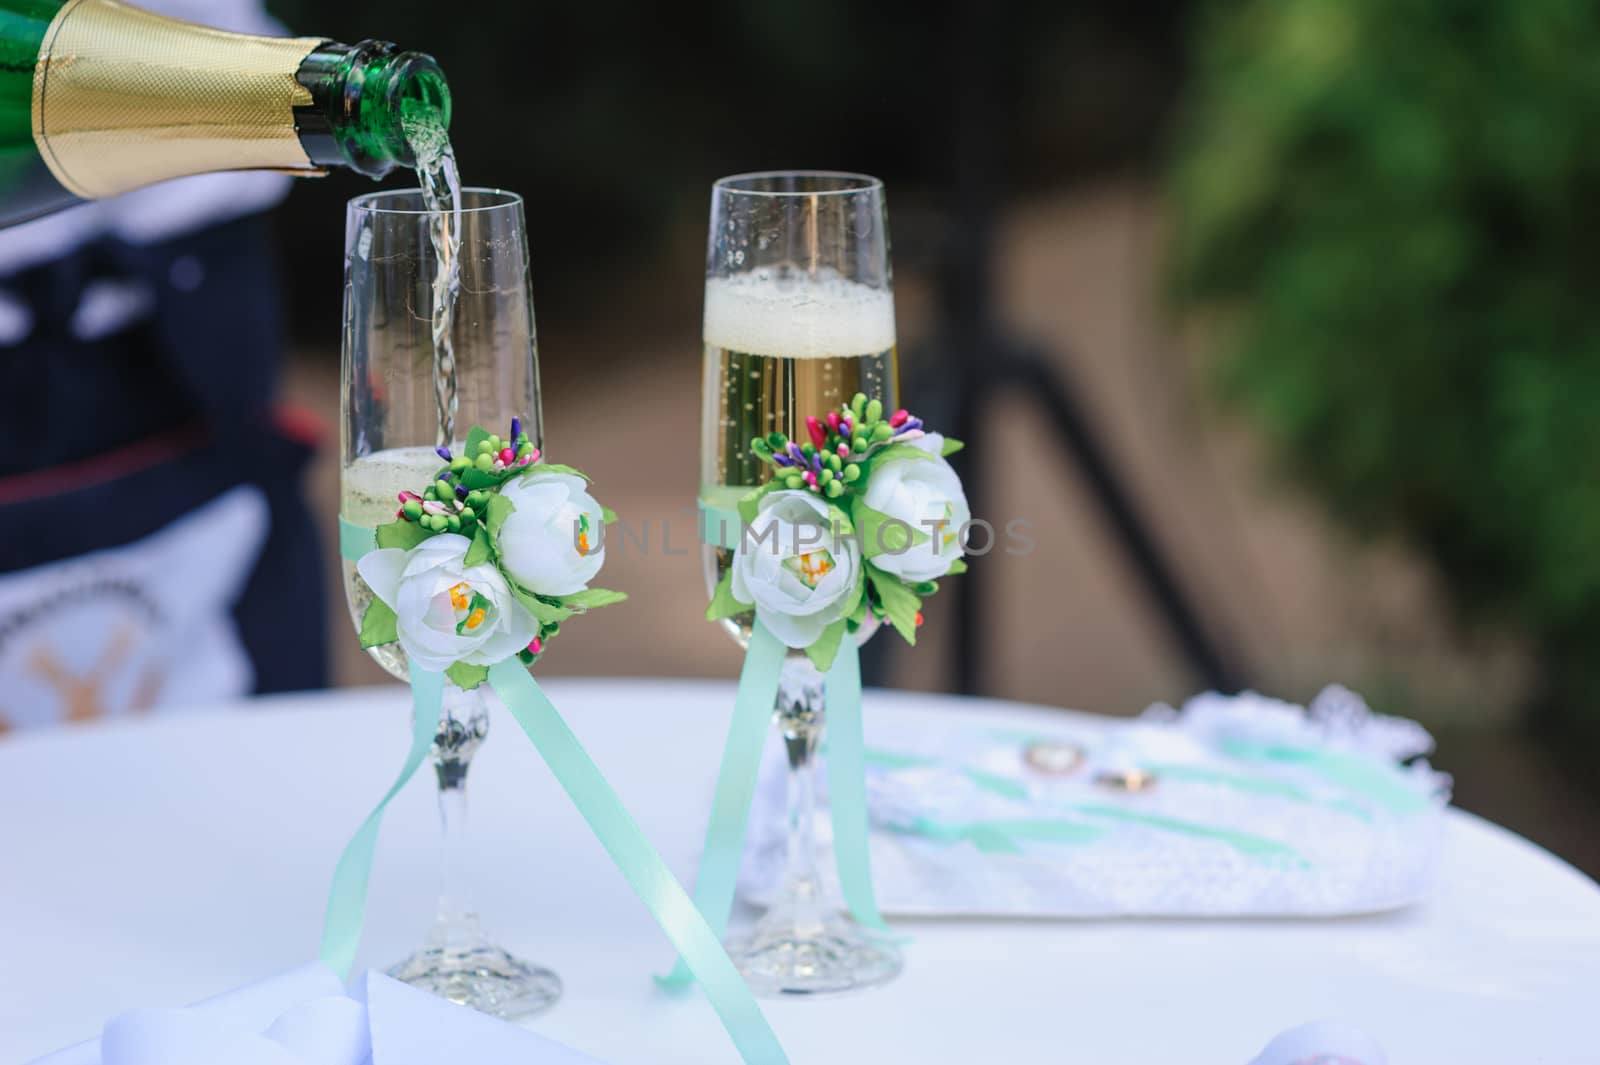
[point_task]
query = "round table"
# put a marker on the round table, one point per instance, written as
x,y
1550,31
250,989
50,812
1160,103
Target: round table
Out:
x,y
158,861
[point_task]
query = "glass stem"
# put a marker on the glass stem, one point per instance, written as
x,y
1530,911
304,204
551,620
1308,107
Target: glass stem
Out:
x,y
463,724
799,716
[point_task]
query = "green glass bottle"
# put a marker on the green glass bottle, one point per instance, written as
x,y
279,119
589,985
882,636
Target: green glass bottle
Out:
x,y
98,97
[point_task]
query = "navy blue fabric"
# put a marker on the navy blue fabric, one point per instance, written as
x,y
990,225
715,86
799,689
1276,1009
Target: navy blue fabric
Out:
x,y
199,368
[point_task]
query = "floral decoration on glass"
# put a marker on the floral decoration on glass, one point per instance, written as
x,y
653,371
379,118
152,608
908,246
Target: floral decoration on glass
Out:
x,y
486,562
891,511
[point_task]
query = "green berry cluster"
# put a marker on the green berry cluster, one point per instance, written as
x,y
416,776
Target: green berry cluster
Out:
x,y
830,462
461,490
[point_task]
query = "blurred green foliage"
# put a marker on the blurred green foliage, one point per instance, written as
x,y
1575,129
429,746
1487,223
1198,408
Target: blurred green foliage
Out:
x,y
1394,207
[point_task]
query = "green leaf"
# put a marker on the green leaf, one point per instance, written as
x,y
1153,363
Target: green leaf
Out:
x,y
895,452
499,508
401,534
475,478
750,502
466,677
951,446
475,436
608,515
480,551
379,625
958,566
544,613
882,535
551,467
723,604
825,647
840,522
900,604
592,598
857,595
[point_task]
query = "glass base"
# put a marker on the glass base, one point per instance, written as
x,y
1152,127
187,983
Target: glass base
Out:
x,y
485,977
783,956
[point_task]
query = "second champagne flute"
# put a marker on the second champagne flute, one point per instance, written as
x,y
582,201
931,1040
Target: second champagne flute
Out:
x,y
799,317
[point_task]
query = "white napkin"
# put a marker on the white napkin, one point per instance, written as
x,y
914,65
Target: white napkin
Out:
x,y
411,1027
305,1017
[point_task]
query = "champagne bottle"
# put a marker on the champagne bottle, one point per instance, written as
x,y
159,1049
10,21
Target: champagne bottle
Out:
x,y
99,97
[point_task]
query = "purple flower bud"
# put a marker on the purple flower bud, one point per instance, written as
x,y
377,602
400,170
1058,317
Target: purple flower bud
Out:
x,y
783,460
461,491
516,428
443,452
796,454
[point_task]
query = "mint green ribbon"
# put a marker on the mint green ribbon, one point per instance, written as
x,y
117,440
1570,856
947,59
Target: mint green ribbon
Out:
x,y
355,540
1256,786
847,786
1244,842
1005,836
995,783
640,864
347,898
717,880
718,877
1358,774
1369,778
699,946
718,527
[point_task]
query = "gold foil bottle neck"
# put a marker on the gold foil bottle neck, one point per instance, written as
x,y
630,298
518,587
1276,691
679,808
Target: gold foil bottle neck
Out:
x,y
124,98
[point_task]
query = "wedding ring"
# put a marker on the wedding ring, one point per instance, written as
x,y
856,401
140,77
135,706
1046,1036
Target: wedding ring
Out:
x,y
1053,759
1126,780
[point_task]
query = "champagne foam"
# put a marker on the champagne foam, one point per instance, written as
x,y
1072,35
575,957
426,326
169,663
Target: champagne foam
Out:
x,y
820,318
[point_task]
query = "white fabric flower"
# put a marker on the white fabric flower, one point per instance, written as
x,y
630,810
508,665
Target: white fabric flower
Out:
x,y
554,541
920,492
790,566
447,611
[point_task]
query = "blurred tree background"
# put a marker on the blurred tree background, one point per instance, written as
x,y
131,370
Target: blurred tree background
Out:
x,y
1390,207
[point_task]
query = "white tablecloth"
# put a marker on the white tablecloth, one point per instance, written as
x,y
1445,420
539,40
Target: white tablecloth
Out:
x,y
158,861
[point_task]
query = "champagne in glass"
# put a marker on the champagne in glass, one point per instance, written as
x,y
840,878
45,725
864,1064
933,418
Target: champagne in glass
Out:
x,y
781,344
397,252
369,488
799,317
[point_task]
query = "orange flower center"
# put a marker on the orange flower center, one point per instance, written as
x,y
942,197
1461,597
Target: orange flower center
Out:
x,y
811,567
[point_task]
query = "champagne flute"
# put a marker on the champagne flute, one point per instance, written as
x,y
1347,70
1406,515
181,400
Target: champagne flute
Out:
x,y
413,376
799,317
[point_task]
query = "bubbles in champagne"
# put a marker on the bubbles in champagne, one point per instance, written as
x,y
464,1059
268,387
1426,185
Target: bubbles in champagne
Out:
x,y
368,495
780,347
